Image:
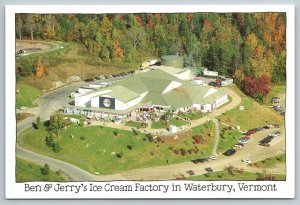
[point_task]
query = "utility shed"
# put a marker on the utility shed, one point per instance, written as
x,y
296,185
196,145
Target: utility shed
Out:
x,y
172,129
172,60
227,81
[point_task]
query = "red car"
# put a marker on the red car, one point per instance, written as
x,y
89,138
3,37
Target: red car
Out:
x,y
245,137
250,132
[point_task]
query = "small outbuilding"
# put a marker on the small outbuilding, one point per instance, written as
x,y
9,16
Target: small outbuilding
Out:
x,y
227,81
172,129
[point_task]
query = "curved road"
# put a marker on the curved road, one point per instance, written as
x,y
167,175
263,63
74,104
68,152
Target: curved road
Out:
x,y
59,97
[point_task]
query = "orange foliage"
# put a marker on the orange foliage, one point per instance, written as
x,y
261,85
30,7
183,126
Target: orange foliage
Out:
x,y
39,67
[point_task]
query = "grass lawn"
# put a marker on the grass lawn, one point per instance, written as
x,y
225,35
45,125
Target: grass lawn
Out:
x,y
271,161
165,124
274,92
224,175
228,138
100,147
27,171
191,115
136,125
253,115
27,94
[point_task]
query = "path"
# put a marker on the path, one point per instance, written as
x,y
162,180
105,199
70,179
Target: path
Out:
x,y
217,136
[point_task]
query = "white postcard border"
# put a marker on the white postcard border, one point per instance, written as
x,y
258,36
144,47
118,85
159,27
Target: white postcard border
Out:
x,y
286,189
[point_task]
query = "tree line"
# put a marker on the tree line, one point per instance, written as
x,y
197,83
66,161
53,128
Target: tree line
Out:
x,y
234,44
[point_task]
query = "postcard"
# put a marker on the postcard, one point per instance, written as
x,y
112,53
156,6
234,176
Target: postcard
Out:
x,y
157,101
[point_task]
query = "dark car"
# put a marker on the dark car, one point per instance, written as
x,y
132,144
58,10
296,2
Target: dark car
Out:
x,y
229,152
260,129
208,169
190,172
195,161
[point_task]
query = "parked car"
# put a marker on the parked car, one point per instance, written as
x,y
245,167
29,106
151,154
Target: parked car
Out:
x,y
245,137
238,146
190,172
212,157
243,141
250,132
208,169
23,108
229,152
275,100
246,160
275,134
260,129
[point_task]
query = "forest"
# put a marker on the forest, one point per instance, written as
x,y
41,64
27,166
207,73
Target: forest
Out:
x,y
238,45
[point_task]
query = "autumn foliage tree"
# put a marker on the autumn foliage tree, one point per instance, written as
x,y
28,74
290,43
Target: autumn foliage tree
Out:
x,y
39,67
257,88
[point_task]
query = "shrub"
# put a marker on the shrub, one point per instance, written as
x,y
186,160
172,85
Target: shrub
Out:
x,y
150,137
45,170
120,154
56,147
176,151
129,147
38,123
183,151
82,137
116,132
49,140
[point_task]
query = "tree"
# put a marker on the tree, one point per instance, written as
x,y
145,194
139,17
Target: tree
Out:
x,y
39,67
258,88
38,123
45,170
56,123
56,147
49,140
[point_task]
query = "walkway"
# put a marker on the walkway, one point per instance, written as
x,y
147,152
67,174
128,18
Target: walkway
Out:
x,y
217,136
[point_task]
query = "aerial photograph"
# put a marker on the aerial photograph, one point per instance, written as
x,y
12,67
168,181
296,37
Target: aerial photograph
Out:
x,y
150,96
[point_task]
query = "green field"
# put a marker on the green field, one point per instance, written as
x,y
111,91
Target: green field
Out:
x,y
271,161
136,125
27,95
162,124
28,171
274,92
228,138
224,175
99,150
254,115
191,115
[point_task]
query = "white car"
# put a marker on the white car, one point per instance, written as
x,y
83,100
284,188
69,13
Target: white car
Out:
x,y
246,160
23,108
275,134
238,146
243,141
212,157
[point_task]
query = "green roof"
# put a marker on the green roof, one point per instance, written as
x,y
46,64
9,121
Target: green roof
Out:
x,y
177,98
121,93
154,83
155,80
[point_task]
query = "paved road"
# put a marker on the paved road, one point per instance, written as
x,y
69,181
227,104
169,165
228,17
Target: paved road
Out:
x,y
48,104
